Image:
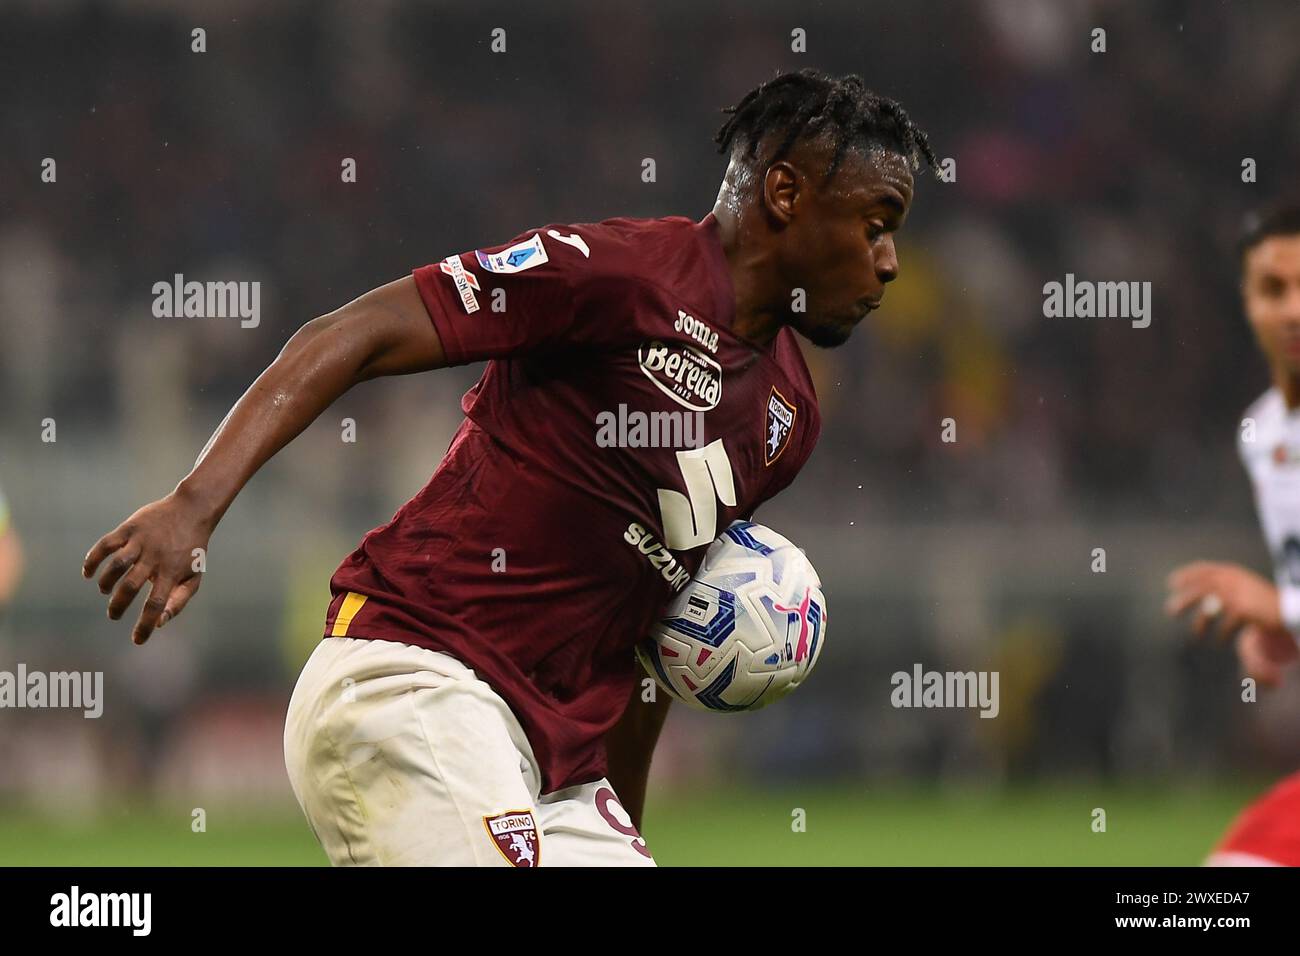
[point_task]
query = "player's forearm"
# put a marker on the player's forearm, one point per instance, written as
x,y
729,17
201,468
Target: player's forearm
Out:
x,y
630,746
384,332
1265,610
314,368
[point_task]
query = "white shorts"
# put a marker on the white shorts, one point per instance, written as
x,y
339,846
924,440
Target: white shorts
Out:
x,y
401,756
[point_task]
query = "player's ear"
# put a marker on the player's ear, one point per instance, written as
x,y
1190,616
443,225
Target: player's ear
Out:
x,y
781,190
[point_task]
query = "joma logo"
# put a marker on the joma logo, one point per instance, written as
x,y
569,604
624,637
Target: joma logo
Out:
x,y
697,330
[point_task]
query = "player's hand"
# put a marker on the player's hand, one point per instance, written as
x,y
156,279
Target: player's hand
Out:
x,y
1226,595
156,546
1266,655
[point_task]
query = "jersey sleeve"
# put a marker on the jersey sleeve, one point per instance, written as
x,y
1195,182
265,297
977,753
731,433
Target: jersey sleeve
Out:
x,y
1285,565
1287,560
526,294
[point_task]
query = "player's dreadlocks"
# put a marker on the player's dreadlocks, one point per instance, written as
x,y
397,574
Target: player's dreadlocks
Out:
x,y
809,103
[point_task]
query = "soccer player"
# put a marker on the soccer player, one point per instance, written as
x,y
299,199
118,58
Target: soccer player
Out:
x,y
1264,615
475,698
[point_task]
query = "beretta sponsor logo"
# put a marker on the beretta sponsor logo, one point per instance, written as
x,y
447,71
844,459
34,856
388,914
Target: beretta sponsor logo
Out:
x,y
684,374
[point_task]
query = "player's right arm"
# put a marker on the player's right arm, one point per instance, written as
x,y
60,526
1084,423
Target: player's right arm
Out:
x,y
1229,594
1262,615
1235,601
385,332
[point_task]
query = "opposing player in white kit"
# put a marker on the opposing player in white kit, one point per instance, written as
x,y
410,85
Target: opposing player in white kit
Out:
x,y
1263,615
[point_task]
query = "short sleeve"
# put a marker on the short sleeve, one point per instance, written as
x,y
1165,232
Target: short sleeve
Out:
x,y
509,299
4,514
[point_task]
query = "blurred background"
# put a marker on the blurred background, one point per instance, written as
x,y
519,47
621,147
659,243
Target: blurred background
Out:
x,y
1072,434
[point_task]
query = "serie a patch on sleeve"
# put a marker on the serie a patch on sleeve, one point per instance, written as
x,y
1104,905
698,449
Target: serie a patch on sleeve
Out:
x,y
520,256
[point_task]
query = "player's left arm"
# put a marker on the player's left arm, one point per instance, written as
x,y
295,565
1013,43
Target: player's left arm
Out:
x,y
631,743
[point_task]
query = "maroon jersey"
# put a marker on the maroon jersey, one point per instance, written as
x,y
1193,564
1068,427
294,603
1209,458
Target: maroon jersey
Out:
x,y
569,507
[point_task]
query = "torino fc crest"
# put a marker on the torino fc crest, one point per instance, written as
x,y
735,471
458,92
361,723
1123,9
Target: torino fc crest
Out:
x,y
515,834
780,422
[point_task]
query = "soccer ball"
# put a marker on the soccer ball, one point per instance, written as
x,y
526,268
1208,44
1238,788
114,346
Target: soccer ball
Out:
x,y
746,630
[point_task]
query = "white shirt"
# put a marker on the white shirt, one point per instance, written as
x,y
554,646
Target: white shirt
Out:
x,y
1269,444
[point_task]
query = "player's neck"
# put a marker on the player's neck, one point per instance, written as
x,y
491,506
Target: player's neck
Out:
x,y
1289,385
754,321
